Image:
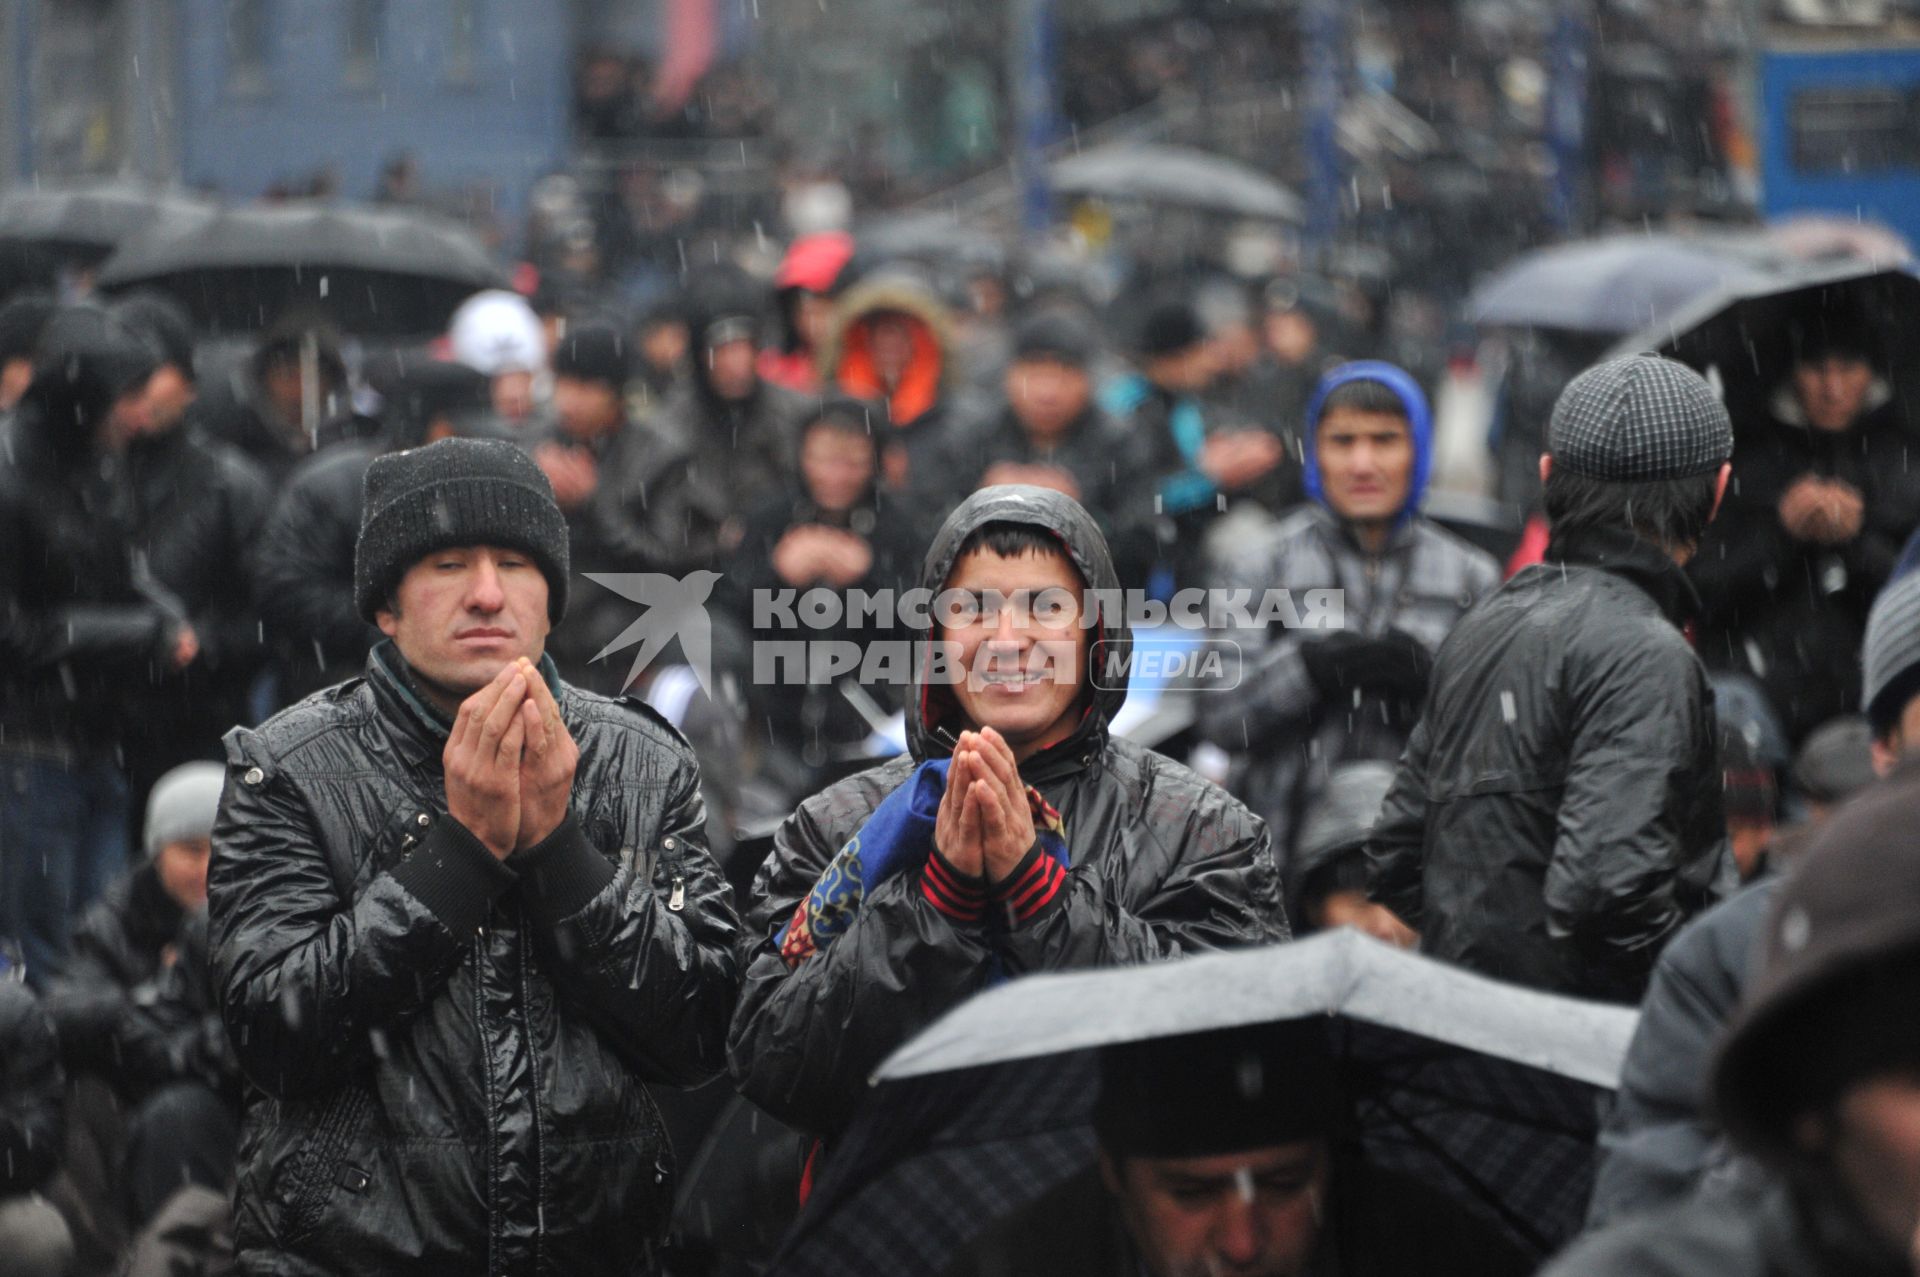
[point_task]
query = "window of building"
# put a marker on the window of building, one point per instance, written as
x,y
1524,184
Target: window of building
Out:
x,y
1864,129
247,47
463,41
366,27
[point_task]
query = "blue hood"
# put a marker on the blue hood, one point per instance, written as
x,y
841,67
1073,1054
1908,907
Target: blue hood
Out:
x,y
1419,422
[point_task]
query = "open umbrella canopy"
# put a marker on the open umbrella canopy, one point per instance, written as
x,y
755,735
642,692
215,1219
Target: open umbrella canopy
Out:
x,y
1180,176
1742,336
1617,284
1485,1091
96,215
373,271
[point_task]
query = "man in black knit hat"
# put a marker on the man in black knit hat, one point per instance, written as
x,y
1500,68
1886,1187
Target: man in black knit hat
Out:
x,y
462,915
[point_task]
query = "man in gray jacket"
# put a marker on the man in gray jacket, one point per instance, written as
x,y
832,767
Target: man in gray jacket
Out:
x,y
1311,701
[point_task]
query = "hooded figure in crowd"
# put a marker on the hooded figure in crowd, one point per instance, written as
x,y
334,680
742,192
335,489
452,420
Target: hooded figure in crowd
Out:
x,y
809,275
1017,835
85,631
1311,701
287,400
1818,1079
1823,497
1557,814
891,342
463,917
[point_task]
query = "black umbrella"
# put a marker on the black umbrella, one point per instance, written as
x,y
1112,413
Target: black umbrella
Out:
x,y
1743,337
43,228
373,271
1487,1091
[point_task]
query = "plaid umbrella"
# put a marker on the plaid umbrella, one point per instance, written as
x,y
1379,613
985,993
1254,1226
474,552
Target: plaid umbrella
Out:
x,y
1487,1091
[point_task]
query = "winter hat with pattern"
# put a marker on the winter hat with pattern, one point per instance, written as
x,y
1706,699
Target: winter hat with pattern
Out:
x,y
1639,419
450,493
1891,653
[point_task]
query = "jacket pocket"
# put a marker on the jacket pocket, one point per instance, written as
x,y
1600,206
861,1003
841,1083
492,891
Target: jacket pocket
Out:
x,y
318,1167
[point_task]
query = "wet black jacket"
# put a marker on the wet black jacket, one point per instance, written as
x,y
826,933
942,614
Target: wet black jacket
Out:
x,y
303,572
450,1054
31,1085
1162,863
1557,813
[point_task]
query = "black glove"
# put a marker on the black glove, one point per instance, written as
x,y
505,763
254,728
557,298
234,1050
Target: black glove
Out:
x,y
1396,666
1331,663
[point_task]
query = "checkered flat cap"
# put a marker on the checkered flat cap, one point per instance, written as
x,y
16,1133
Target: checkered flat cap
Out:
x,y
1637,419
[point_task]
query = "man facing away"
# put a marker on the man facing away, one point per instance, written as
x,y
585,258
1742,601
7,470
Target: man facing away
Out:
x,y
1557,813
462,916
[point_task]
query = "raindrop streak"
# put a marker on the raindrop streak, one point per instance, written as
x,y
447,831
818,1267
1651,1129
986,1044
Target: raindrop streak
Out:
x,y
1507,709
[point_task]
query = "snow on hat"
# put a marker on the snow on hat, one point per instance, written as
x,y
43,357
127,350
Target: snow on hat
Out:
x,y
1639,419
182,805
1890,655
450,493
497,332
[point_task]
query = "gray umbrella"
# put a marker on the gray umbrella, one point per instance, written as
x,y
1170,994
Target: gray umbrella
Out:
x,y
98,215
1179,176
1617,284
374,271
1336,973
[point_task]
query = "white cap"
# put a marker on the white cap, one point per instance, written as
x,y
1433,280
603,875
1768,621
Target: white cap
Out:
x,y
496,332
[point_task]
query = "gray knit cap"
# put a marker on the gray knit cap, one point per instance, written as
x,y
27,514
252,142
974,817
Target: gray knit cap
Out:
x,y
456,492
1639,419
182,804
1891,653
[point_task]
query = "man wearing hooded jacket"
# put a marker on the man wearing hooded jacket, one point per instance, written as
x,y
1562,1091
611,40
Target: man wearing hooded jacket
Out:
x,y
1311,701
1147,861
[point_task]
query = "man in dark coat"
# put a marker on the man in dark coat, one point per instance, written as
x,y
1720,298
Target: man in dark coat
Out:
x,y
1817,1079
286,400
1823,497
1310,700
84,633
1557,813
463,915
1056,846
1048,430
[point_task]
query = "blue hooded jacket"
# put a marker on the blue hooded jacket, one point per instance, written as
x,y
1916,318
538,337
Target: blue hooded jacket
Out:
x,y
1419,424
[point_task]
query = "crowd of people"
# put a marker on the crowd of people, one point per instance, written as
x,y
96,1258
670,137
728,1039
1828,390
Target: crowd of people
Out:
x,y
368,908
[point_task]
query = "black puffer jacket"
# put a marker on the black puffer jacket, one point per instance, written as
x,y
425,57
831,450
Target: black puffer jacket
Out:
x,y
1557,815
32,1122
450,1053
1162,863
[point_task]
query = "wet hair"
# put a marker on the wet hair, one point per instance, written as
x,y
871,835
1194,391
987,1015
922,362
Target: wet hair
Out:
x,y
842,415
1669,513
1364,395
1011,541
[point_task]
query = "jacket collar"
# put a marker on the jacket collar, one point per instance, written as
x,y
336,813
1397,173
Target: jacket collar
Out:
x,y
420,726
1624,555
1403,533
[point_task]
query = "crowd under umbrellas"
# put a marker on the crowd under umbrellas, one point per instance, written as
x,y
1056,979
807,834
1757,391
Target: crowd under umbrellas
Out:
x,y
993,976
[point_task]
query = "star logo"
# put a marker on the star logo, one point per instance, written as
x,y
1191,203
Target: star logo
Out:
x,y
675,609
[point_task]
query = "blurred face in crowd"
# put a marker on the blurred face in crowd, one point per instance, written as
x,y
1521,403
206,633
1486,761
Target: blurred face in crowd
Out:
x,y
664,345
586,409
890,339
1235,348
1017,635
731,369
281,382
15,376
813,317
1254,1214
126,420
182,867
169,394
1291,336
1889,750
1366,464
1871,1140
512,394
1046,393
461,615
1832,389
837,466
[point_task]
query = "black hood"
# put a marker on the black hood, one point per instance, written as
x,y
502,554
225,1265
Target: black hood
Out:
x,y
1063,517
86,361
